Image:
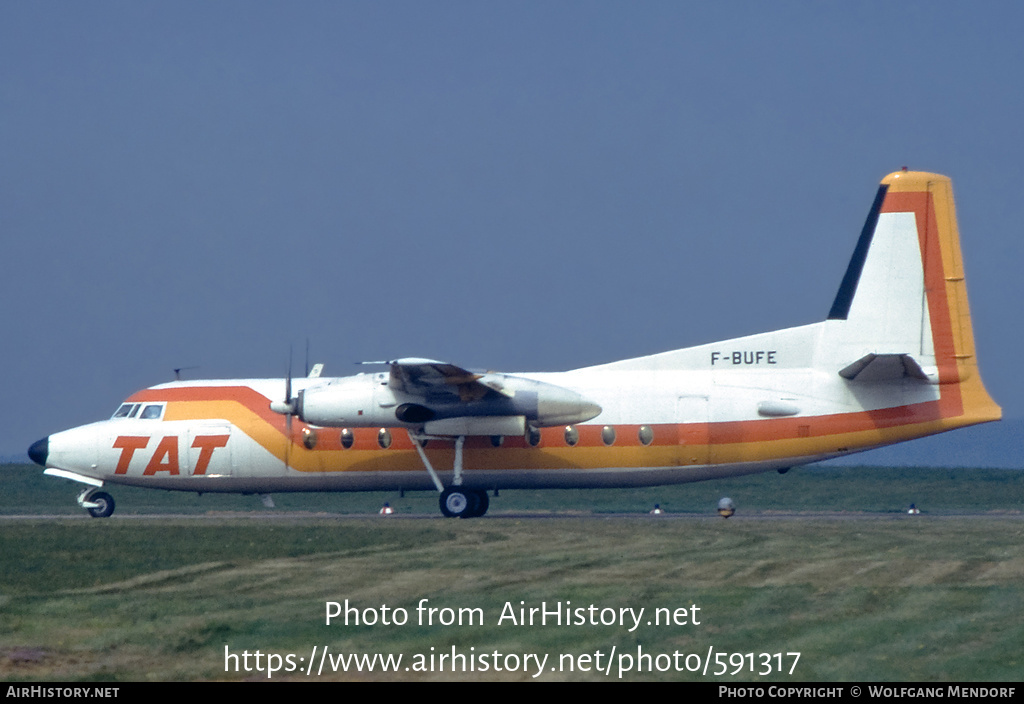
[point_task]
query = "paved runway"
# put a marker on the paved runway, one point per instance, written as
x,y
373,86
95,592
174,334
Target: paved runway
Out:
x,y
324,516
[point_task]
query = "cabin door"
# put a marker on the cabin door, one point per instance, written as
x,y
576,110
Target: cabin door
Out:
x,y
210,452
692,423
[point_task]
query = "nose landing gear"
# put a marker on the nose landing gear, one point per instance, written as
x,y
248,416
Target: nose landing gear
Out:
x,y
99,504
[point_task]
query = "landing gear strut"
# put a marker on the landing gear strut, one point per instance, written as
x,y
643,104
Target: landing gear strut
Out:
x,y
456,501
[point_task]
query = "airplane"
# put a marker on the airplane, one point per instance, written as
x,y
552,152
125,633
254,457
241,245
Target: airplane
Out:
x,y
893,361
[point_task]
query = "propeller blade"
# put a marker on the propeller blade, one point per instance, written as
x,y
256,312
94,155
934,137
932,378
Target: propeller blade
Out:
x,y
291,410
288,379
288,440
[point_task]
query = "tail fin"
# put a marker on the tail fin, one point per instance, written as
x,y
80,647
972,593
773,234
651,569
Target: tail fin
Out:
x,y
903,300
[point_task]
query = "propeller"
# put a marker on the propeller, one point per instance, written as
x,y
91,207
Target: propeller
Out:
x,y
287,408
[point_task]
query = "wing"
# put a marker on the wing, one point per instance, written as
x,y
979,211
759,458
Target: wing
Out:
x,y
440,381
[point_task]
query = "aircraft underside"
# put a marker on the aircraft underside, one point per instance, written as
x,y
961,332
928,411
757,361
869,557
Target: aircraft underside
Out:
x,y
605,478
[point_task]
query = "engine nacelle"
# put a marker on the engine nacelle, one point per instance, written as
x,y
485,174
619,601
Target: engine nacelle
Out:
x,y
352,402
369,401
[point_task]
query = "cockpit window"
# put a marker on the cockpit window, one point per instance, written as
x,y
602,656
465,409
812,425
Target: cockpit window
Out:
x,y
131,410
127,410
152,411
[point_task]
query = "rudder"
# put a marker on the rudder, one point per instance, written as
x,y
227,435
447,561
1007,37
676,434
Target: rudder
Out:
x,y
904,294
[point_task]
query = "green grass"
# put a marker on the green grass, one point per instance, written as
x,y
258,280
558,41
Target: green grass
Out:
x,y
894,598
872,594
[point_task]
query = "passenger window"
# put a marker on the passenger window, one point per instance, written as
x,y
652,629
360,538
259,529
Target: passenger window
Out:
x,y
646,434
533,436
152,412
572,436
384,438
608,435
347,438
309,438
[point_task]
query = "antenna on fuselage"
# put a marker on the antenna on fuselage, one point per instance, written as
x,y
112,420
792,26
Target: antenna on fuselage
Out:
x,y
179,370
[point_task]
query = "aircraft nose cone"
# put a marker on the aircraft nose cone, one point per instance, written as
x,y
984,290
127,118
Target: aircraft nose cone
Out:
x,y
39,451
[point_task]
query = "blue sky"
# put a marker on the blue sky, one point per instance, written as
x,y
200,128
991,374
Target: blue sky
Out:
x,y
517,186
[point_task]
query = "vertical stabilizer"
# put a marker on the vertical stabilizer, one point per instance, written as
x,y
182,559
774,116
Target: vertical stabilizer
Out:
x,y
901,310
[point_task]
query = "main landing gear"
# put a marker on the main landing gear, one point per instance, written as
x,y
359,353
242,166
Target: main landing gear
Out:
x,y
99,504
456,501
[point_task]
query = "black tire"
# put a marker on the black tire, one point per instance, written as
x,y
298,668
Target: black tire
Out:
x,y
464,503
106,505
482,503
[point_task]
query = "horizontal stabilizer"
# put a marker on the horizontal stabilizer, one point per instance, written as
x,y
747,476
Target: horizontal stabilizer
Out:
x,y
874,368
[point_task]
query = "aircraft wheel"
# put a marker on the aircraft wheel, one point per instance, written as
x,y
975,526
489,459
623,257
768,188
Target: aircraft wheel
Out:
x,y
483,502
456,503
106,505
464,503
